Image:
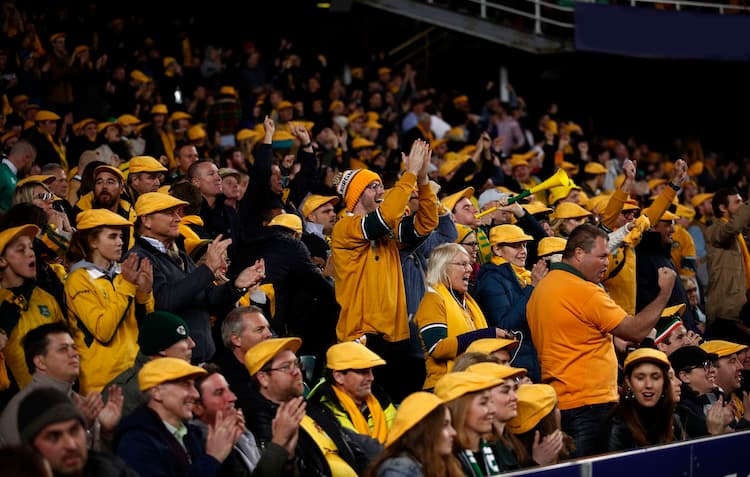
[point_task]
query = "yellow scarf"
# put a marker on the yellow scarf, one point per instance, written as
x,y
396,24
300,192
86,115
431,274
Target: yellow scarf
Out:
x,y
745,255
380,428
523,275
169,145
59,149
339,467
4,379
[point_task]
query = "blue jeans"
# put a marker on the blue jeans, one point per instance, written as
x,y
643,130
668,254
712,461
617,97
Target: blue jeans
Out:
x,y
582,424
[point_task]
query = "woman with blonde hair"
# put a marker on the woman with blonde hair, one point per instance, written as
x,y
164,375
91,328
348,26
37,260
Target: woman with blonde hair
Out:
x,y
420,441
448,318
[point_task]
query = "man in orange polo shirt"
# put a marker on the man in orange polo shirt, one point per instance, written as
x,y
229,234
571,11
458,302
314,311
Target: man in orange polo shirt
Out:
x,y
572,321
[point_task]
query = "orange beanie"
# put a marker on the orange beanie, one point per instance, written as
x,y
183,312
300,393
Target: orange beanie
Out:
x,y
353,183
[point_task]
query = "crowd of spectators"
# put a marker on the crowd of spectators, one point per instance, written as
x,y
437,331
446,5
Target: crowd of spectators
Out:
x,y
221,260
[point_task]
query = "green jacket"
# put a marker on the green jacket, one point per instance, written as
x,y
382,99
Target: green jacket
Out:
x,y
8,181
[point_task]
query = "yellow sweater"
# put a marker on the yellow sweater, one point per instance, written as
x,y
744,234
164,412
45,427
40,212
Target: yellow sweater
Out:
x,y
367,267
622,287
42,308
104,311
440,320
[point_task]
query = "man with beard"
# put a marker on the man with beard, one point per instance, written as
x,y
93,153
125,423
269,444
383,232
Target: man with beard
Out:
x,y
50,423
107,194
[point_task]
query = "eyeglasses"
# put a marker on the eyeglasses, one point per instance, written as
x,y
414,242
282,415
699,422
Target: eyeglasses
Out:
x,y
706,365
44,196
515,245
288,368
470,244
461,264
375,186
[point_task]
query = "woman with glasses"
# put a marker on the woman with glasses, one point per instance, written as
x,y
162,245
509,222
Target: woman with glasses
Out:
x,y
566,217
701,412
467,238
448,318
106,299
36,192
644,416
504,287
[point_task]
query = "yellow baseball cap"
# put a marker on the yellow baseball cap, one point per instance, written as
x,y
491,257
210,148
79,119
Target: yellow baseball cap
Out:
x,y
360,142
594,168
676,310
569,210
290,221
243,134
536,207
145,164
41,178
313,201
646,354
410,412
162,370
722,348
701,198
551,245
128,120
111,169
507,233
151,202
351,355
490,345
159,109
90,218
450,201
9,235
454,385
534,402
45,115
495,370
667,215
263,352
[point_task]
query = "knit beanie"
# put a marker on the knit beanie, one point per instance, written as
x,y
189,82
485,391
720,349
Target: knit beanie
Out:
x,y
352,184
42,407
160,330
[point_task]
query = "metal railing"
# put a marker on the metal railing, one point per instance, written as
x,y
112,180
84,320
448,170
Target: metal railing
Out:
x,y
544,13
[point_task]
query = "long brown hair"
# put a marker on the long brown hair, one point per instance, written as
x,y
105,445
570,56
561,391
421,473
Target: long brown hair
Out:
x,y
663,419
546,426
419,443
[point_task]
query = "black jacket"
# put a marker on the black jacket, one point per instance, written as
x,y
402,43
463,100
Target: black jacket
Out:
x,y
650,255
309,459
188,293
305,299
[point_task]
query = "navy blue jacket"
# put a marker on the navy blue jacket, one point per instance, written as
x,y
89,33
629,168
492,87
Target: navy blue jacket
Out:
x,y
146,446
503,302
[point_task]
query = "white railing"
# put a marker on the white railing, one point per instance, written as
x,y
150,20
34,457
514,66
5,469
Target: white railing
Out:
x,y
546,13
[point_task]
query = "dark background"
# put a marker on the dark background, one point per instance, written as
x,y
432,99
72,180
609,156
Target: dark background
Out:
x,y
655,100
